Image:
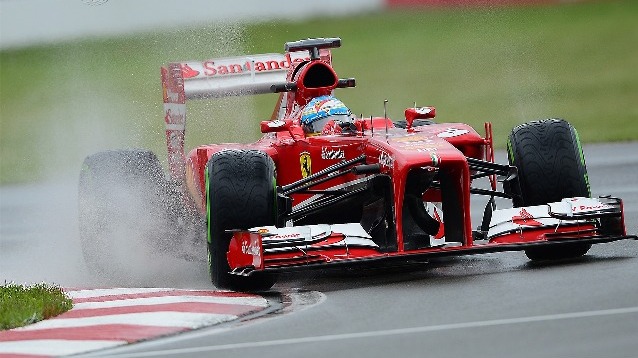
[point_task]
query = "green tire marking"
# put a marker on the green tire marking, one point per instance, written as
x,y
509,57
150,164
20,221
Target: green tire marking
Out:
x,y
582,160
208,237
274,185
510,151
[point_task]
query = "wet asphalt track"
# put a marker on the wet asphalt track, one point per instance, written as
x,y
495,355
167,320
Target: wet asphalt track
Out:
x,y
482,306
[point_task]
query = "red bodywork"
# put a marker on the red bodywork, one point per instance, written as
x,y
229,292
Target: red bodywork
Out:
x,y
442,149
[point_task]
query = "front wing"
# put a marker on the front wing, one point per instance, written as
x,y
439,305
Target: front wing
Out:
x,y
573,220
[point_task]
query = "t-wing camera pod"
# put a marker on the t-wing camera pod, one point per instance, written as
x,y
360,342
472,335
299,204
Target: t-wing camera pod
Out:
x,y
313,45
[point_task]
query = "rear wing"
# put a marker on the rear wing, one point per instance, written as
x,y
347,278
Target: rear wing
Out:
x,y
215,78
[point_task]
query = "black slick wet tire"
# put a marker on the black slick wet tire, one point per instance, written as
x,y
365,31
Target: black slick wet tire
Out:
x,y
240,194
551,166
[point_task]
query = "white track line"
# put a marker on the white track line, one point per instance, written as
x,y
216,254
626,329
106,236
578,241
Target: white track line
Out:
x,y
54,347
390,332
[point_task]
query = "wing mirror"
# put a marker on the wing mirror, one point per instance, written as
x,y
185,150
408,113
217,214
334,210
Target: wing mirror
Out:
x,y
418,113
276,126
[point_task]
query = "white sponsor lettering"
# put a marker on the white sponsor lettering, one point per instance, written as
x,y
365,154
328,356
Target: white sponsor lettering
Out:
x,y
287,236
276,124
332,153
386,160
582,208
423,110
250,248
452,132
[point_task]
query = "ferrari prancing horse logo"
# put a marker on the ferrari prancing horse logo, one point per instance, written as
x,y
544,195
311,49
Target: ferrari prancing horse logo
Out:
x,y
306,164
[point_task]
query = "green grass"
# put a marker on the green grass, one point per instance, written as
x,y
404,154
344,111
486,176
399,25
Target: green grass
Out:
x,y
505,65
22,305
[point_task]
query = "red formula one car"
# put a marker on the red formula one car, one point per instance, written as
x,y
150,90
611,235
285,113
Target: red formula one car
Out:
x,y
324,189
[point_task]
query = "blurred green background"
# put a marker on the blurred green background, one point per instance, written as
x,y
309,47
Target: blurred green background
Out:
x,y
62,102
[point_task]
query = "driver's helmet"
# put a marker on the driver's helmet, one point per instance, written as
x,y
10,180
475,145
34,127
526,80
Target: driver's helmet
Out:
x,y
326,115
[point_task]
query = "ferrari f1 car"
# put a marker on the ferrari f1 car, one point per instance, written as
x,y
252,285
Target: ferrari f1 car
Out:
x,y
325,189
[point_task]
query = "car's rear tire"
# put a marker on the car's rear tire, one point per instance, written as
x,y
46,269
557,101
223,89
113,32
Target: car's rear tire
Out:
x,y
240,194
551,166
122,203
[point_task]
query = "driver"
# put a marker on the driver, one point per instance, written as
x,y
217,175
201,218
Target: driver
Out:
x,y
326,115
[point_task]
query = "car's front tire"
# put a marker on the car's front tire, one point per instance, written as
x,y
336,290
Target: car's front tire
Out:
x,y
240,194
551,166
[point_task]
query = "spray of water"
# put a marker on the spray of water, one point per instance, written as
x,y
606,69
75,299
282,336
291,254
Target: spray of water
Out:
x,y
147,238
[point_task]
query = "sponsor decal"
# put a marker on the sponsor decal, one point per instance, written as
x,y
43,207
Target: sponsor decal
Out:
x,y
221,67
213,69
172,87
245,250
417,144
412,138
424,147
385,160
426,150
174,117
452,132
525,219
332,153
423,110
171,96
420,144
595,207
188,72
262,231
586,205
306,164
276,123
287,236
250,248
